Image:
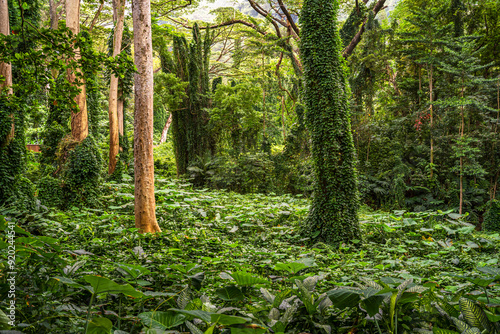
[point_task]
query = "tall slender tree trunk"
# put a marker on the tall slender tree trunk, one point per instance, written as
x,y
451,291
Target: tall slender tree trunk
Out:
x,y
6,68
145,215
114,123
79,119
283,116
431,118
119,112
462,126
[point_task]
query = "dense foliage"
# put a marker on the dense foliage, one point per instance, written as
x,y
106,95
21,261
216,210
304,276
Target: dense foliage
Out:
x,y
321,166
227,261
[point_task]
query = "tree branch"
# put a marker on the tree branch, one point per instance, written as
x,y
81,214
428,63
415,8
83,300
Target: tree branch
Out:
x,y
224,24
357,38
289,18
96,16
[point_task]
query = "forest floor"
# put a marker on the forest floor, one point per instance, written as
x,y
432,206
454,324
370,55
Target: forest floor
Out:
x,y
236,255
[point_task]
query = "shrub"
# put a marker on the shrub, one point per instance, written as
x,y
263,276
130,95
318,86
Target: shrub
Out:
x,y
50,192
165,159
491,221
247,173
81,174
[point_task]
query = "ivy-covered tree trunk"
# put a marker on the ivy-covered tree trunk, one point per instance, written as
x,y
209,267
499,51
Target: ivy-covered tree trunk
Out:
x,y
145,215
333,215
114,122
6,68
189,123
79,119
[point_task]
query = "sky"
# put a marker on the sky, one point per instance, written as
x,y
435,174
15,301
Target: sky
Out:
x,y
202,12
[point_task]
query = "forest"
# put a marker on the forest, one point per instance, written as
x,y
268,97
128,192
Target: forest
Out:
x,y
249,166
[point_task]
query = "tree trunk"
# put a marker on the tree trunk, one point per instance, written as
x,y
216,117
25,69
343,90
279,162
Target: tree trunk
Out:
x,y
79,120
54,17
119,111
145,215
333,217
119,15
462,126
6,68
165,129
431,119
283,116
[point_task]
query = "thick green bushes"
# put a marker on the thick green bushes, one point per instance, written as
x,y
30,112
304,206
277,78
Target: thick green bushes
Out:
x,y
491,221
79,176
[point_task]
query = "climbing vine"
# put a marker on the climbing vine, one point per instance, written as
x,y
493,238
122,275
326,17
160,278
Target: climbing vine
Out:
x,y
333,215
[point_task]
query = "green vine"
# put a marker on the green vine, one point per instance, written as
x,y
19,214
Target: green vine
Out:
x,y
333,215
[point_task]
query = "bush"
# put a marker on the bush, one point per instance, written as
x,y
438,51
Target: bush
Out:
x,y
50,192
78,182
491,221
81,174
294,174
247,173
165,160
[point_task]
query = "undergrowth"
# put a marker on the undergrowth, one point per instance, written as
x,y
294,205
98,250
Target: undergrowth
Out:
x,y
235,263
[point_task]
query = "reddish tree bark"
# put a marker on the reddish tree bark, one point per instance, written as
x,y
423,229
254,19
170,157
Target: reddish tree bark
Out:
x,y
6,68
119,17
79,119
145,216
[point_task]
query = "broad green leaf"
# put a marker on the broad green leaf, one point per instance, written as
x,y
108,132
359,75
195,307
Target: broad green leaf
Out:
x,y
68,281
344,298
203,315
230,293
100,326
162,320
227,320
474,315
267,295
461,326
490,271
210,329
192,328
245,279
280,297
372,304
105,285
436,330
250,329
133,270
454,215
452,312
4,321
473,330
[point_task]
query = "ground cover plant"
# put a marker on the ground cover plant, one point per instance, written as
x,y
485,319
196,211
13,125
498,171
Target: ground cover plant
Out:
x,y
230,262
282,166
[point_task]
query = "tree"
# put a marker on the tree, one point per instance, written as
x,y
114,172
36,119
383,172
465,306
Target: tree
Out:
x,y
333,214
119,18
460,61
190,64
426,39
6,68
145,215
79,119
